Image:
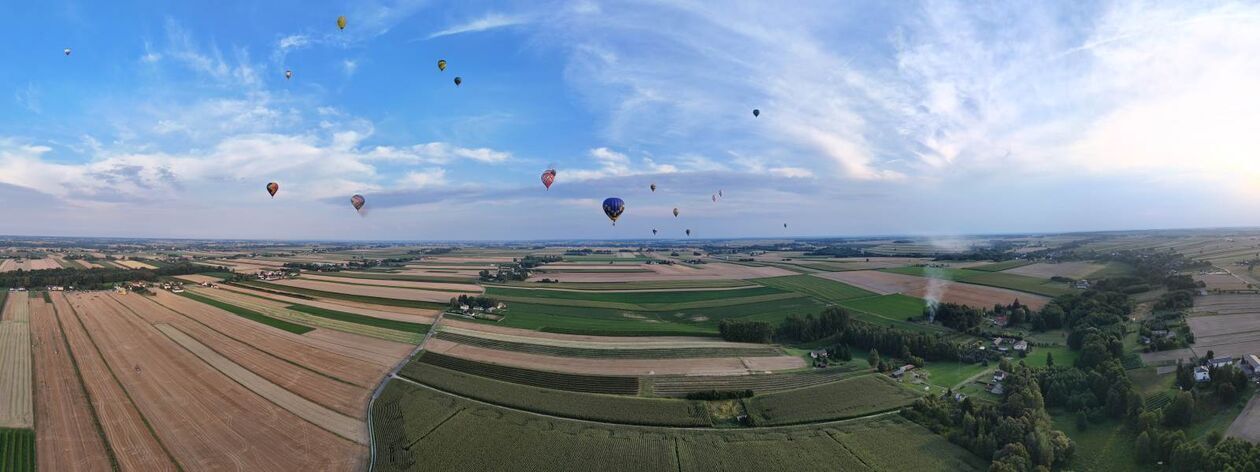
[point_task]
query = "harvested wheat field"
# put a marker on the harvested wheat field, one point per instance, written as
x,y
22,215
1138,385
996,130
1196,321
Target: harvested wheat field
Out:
x,y
8,265
469,288
268,308
364,290
1071,270
16,409
41,264
711,271
198,278
713,366
346,398
486,330
1222,281
414,315
1226,304
67,437
235,427
952,292
131,442
352,365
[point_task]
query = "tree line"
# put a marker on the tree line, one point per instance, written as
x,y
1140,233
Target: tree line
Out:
x,y
99,277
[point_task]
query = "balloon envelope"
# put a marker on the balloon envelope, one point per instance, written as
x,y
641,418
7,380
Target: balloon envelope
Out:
x,y
458,81
613,207
67,51
288,74
548,176
756,112
688,232
653,187
442,64
341,22
675,213
272,188
357,201
653,231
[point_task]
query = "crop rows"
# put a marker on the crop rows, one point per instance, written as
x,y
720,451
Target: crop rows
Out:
x,y
616,385
679,386
17,450
825,289
251,315
1158,400
598,353
462,435
827,402
586,406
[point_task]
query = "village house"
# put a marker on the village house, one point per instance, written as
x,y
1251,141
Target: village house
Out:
x,y
999,375
900,371
1251,365
1021,346
819,356
1220,362
1201,374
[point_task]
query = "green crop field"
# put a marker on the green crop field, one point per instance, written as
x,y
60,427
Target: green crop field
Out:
x,y
362,319
818,287
585,406
1001,266
640,300
612,322
285,289
608,384
838,400
17,450
399,277
949,374
417,428
681,385
636,285
598,353
1107,446
455,292
328,319
893,310
251,314
1017,282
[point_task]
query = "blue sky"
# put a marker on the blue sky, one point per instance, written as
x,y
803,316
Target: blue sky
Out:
x,y
169,118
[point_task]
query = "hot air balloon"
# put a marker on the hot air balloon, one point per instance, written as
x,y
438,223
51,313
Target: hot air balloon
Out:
x,y
715,198
613,207
288,74
458,81
341,22
548,176
719,193
784,225
441,64
653,187
358,201
67,51
756,112
653,231
272,188
688,233
675,213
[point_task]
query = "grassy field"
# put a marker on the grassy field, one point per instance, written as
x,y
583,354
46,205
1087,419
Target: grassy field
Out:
x,y
1062,356
893,310
247,301
344,296
603,353
251,314
1112,269
1106,446
17,450
362,319
646,300
416,428
585,406
848,398
1001,266
950,374
400,277
692,321
817,287
1017,282
608,384
677,386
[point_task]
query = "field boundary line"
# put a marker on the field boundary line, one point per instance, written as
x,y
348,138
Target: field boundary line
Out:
x,y
434,428
846,448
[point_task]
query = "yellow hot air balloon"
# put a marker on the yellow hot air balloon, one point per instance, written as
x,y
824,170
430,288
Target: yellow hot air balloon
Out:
x,y
441,64
341,22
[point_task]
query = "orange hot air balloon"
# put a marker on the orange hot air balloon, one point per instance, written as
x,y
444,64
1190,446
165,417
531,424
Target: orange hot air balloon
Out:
x,y
272,188
548,176
357,201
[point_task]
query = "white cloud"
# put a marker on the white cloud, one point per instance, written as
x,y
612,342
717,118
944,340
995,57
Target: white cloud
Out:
x,y
791,172
28,98
349,66
490,21
433,177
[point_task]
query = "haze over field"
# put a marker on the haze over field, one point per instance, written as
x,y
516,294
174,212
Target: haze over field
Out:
x,y
876,118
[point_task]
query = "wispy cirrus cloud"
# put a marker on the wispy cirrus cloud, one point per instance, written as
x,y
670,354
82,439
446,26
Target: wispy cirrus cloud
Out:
x,y
487,22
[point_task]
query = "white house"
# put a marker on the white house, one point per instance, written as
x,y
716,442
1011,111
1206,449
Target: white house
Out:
x,y
1201,374
1219,362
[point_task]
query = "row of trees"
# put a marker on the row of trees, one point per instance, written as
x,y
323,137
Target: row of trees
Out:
x,y
473,301
99,277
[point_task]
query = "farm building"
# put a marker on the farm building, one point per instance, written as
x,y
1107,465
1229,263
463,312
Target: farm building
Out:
x,y
1021,346
1219,362
1201,374
1251,365
900,371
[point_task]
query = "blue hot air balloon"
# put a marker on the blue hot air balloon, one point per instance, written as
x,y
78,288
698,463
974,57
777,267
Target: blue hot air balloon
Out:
x,y
613,207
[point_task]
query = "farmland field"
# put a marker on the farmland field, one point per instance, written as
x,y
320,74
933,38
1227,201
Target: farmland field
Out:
x,y
587,406
1001,266
612,385
641,301
611,353
828,290
436,422
1072,270
285,289
251,315
16,407
678,386
17,450
827,402
302,321
993,279
967,294
613,322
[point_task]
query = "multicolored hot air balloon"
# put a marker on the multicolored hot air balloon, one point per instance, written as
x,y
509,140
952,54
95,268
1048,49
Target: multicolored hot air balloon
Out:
x,y
756,112
288,74
548,176
67,51
613,207
675,213
341,22
272,188
358,201
653,187
688,233
458,81
441,64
